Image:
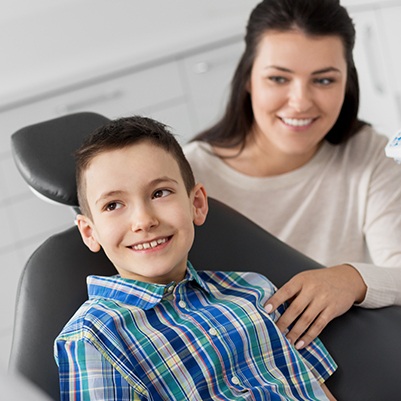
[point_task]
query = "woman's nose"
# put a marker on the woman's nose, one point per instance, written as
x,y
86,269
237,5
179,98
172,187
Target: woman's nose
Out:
x,y
300,97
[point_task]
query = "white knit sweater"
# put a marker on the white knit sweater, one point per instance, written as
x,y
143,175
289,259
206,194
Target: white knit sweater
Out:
x,y
344,206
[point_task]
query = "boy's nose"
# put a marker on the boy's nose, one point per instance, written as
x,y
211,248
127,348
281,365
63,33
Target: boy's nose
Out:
x,y
143,219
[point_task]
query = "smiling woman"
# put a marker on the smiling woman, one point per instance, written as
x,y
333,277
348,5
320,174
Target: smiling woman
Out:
x,y
291,154
296,98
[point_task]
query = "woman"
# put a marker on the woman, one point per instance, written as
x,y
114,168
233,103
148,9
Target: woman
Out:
x,y
291,155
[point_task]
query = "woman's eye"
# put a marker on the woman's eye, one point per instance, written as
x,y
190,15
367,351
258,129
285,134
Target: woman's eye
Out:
x,y
324,81
278,79
161,193
112,206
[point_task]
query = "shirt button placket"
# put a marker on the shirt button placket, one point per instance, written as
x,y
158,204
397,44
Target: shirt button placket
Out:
x,y
213,331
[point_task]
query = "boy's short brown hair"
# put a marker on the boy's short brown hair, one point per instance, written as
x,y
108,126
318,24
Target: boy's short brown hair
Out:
x,y
123,132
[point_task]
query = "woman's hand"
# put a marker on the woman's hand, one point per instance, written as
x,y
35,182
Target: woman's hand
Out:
x,y
316,297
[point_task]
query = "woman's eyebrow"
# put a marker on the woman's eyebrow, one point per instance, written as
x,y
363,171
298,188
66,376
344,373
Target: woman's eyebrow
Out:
x,y
325,70
322,71
276,67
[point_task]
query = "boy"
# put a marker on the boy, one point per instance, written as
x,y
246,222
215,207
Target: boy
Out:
x,y
159,330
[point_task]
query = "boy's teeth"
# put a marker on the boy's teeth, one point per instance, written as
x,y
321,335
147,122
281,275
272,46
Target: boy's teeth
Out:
x,y
297,122
148,245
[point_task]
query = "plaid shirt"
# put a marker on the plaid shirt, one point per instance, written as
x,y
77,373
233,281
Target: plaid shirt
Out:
x,y
205,338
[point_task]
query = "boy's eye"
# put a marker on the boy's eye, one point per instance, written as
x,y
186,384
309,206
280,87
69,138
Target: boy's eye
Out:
x,y
161,193
112,206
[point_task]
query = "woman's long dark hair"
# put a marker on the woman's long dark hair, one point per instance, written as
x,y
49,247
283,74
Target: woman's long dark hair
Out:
x,y
313,17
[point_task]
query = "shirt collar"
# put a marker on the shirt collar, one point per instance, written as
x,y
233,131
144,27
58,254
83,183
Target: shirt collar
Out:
x,y
137,293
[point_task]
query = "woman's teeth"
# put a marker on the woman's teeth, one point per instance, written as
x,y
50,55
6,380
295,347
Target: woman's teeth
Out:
x,y
148,245
297,122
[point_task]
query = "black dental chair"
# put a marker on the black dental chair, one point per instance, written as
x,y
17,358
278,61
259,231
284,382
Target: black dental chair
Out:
x,y
366,344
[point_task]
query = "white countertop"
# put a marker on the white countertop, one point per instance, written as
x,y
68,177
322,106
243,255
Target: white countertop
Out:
x,y
50,45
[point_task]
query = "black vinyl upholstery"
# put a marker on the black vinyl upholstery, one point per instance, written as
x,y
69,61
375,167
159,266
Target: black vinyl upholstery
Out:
x,y
44,152
364,343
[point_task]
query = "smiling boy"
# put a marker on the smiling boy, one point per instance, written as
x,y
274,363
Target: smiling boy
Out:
x,y
160,330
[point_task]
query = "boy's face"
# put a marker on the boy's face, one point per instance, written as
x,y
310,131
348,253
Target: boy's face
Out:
x,y
142,215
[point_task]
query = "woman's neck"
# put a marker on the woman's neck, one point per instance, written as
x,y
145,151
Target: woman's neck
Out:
x,y
258,158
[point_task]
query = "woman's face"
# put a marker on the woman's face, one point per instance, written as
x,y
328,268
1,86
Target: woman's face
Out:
x,y
297,88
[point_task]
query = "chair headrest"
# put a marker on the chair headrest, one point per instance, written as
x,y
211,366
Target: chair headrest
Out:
x,y
44,154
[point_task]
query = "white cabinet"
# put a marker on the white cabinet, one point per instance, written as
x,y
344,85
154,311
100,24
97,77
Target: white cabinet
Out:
x,y
376,62
153,88
390,21
208,75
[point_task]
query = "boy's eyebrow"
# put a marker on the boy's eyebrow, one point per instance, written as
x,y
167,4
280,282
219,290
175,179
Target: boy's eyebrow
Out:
x,y
322,71
161,180
116,193
108,194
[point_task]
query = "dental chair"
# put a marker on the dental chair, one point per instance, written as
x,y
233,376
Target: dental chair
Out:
x,y
366,344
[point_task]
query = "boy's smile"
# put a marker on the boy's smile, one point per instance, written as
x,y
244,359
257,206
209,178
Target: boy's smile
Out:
x,y
142,215
150,245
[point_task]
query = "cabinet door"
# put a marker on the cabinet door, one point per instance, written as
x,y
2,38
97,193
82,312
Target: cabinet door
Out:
x,y
377,101
208,76
390,25
154,87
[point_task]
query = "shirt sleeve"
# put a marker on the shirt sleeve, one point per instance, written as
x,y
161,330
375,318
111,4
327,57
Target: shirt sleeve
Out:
x,y
85,375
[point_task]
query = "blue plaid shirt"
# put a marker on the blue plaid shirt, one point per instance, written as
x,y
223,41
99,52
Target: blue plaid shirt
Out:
x,y
204,338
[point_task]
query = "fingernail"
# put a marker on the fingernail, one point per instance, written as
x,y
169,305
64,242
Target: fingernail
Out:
x,y
269,308
299,344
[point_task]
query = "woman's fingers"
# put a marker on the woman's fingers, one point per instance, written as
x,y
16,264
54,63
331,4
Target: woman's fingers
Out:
x,y
316,297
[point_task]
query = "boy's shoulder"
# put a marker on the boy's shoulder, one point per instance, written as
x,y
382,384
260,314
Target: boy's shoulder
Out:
x,y
91,314
251,277
246,280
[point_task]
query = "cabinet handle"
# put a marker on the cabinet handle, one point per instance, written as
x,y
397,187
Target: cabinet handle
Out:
x,y
398,103
369,42
202,67
85,103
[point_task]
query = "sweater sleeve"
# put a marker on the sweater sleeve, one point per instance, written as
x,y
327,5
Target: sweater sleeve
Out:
x,y
384,285
382,231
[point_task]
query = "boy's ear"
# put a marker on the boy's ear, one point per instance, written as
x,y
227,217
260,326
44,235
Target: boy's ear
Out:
x,y
200,204
87,233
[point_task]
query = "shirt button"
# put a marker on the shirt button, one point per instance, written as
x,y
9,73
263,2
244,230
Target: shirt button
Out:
x,y
213,331
182,304
235,380
170,289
